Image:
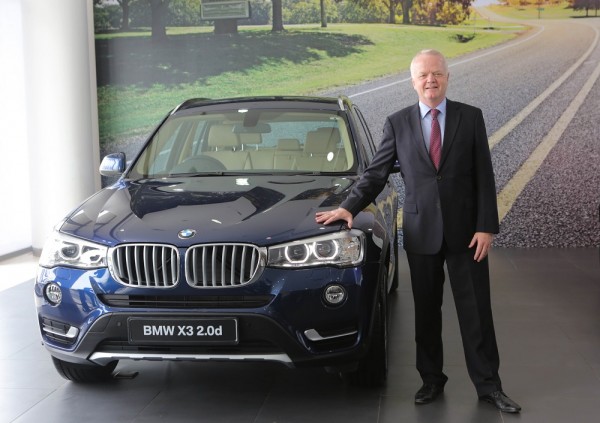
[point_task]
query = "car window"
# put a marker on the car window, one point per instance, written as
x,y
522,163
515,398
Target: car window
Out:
x,y
365,134
260,140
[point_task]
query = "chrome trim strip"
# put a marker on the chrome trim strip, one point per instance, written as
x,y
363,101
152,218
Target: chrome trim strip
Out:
x,y
315,336
71,333
103,358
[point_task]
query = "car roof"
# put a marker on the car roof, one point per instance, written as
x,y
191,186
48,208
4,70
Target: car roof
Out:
x,y
341,103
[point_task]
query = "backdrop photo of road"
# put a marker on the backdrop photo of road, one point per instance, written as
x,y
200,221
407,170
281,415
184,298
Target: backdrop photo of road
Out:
x,y
531,69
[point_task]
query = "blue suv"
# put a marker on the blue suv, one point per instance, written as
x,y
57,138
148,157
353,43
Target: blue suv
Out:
x,y
206,247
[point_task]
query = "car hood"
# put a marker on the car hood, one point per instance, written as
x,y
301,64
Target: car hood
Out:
x,y
262,210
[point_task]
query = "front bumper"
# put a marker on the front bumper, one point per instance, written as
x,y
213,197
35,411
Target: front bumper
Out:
x,y
282,317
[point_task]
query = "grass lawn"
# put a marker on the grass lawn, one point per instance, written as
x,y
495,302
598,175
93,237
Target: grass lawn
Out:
x,y
139,82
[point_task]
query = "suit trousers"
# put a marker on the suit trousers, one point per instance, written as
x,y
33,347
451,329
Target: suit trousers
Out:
x,y
470,285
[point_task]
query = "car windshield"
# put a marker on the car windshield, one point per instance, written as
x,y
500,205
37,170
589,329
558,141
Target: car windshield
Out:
x,y
247,141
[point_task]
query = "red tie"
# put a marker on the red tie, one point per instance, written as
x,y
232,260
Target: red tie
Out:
x,y
435,142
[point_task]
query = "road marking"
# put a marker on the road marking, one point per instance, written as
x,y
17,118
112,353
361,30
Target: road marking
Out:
x,y
515,186
517,183
479,56
527,110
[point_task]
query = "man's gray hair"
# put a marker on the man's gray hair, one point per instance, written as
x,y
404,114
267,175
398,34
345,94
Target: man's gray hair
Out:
x,y
428,52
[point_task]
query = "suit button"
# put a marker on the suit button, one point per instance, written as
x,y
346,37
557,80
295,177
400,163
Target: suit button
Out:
x,y
439,178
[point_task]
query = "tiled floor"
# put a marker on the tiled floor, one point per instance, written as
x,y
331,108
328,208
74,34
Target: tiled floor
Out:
x,y
547,314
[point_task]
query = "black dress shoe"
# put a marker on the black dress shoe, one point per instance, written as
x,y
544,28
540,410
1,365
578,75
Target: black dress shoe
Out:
x,y
502,402
428,393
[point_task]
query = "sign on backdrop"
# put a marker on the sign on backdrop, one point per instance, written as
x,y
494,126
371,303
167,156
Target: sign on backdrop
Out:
x,y
225,9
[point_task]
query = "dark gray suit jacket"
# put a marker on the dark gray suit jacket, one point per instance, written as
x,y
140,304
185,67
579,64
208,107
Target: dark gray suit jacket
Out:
x,y
450,204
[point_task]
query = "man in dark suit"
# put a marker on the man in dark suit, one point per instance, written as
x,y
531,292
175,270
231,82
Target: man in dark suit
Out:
x,y
449,216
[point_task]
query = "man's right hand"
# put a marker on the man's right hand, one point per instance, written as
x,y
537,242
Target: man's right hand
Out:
x,y
331,216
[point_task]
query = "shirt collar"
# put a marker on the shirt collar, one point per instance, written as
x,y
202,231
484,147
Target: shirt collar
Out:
x,y
425,108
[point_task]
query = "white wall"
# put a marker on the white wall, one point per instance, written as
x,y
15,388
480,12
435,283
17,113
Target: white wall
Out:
x,y
15,218
48,117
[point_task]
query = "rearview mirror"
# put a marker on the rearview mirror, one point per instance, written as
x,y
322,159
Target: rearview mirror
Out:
x,y
259,128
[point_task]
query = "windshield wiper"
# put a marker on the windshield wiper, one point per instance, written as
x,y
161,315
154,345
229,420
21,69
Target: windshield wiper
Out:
x,y
196,174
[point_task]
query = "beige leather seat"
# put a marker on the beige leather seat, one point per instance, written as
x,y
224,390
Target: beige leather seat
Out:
x,y
225,146
288,149
321,151
260,158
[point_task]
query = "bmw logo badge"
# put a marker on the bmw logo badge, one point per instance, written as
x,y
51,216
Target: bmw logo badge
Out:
x,y
186,233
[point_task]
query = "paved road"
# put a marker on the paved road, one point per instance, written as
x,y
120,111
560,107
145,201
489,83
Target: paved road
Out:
x,y
541,100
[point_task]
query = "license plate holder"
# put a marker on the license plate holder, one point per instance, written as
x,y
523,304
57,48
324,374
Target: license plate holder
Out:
x,y
197,331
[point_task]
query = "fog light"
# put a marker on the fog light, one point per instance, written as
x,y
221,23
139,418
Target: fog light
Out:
x,y
335,294
53,293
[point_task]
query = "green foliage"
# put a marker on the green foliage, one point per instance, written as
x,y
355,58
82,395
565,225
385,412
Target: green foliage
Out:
x,y
560,10
586,5
308,11
516,3
107,17
140,14
373,11
452,14
425,12
260,13
184,13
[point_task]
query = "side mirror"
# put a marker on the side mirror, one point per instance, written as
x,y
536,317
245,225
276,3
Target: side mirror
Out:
x,y
113,165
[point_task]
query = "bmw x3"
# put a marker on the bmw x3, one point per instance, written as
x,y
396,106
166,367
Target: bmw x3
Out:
x,y
205,247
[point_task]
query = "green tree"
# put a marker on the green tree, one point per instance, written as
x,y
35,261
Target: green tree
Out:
x,y
391,5
323,14
277,16
586,5
375,11
260,13
406,7
440,12
125,4
160,10
310,11
185,13
106,16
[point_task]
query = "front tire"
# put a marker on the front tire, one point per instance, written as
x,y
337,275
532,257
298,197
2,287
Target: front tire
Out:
x,y
373,367
84,373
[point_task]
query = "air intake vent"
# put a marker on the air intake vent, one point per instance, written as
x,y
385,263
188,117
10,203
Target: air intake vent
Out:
x,y
223,265
145,265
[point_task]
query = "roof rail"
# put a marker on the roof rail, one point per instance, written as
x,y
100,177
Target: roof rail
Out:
x,y
343,101
186,103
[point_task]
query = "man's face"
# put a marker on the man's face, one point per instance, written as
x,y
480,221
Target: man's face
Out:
x,y
430,79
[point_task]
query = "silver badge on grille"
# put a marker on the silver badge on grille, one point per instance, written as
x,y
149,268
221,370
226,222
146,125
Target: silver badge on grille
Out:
x,y
186,233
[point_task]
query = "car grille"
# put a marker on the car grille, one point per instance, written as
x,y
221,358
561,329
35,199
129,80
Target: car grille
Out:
x,y
145,265
223,265
207,266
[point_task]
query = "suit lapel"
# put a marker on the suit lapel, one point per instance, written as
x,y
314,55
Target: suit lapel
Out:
x,y
453,117
414,118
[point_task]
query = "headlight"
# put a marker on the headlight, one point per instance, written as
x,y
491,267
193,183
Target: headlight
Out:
x,y
65,250
338,249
